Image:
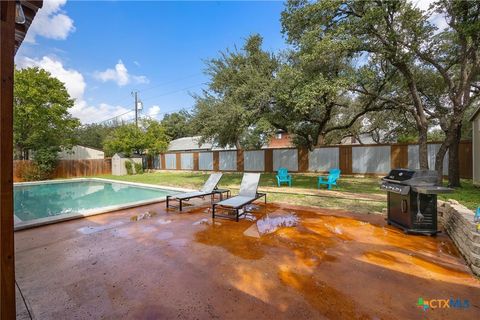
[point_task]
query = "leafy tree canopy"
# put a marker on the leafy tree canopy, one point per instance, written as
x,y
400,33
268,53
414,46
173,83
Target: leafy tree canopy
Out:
x,y
149,138
178,124
93,135
41,113
230,111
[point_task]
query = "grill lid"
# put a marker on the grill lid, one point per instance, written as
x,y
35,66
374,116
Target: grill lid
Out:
x,y
412,177
395,188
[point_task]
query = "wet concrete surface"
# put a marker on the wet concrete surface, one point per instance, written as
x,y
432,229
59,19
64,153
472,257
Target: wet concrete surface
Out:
x,y
331,265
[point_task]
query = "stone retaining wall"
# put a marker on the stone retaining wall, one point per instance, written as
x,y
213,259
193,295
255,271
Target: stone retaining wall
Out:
x,y
457,221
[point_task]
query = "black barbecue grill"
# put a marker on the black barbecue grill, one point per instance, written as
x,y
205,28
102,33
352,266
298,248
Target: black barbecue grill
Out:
x,y
412,200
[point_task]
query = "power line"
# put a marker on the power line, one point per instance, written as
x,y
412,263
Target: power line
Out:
x,y
112,118
176,91
169,82
153,97
159,85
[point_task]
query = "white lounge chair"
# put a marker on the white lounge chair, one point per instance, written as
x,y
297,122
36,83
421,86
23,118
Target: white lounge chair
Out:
x,y
248,194
208,189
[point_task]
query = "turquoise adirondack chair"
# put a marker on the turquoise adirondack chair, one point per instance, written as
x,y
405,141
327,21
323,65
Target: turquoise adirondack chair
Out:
x,y
283,177
331,180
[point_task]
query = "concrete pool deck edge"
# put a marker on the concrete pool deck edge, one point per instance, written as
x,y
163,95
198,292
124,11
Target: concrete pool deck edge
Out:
x,y
21,225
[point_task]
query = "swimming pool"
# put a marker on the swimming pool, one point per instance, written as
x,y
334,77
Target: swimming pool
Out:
x,y
43,202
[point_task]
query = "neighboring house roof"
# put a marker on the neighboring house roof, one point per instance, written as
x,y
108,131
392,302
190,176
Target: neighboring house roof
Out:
x,y
475,113
193,144
93,148
188,143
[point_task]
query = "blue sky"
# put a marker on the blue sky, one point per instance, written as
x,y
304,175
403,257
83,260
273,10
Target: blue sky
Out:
x,y
102,50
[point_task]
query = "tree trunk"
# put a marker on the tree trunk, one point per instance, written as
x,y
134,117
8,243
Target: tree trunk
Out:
x,y
453,160
423,148
439,160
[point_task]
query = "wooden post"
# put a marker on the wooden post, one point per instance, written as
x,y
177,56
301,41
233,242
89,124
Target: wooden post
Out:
x,y
216,161
162,161
195,161
399,156
268,160
7,248
465,157
178,161
240,161
345,159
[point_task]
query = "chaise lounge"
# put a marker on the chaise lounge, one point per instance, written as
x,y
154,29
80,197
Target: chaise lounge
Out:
x,y
248,194
208,189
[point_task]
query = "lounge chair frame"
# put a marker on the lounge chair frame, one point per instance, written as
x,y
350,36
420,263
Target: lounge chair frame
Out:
x,y
181,200
196,194
236,209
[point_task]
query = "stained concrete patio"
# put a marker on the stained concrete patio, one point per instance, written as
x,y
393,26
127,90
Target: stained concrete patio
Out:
x,y
333,265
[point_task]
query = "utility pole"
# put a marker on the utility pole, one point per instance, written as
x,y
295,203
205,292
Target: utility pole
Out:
x,y
136,108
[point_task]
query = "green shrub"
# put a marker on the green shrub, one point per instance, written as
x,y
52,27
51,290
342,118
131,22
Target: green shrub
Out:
x,y
138,167
30,173
43,164
129,167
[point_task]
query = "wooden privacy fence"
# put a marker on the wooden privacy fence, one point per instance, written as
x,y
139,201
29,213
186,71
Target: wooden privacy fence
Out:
x,y
376,159
68,168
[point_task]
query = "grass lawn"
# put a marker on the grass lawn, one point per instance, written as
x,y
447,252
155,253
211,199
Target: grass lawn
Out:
x,y
304,192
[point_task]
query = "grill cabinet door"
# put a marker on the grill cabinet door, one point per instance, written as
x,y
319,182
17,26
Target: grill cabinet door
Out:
x,y
428,208
399,209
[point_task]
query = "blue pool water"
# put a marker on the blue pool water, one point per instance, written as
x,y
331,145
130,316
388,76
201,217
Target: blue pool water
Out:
x,y
52,199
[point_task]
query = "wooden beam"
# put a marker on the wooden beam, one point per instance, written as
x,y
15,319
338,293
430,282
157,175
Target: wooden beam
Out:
x,y
216,161
7,249
240,161
268,160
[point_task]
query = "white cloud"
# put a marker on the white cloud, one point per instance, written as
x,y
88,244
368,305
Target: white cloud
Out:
x,y
89,113
73,80
75,85
51,22
119,74
154,111
136,63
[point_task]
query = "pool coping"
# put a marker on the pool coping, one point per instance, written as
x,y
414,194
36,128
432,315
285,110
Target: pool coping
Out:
x,y
22,225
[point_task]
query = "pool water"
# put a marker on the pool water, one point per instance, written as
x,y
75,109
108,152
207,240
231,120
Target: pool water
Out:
x,y
56,198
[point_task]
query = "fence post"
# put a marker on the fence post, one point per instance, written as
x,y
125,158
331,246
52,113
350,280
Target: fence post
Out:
x,y
178,161
216,164
162,161
345,159
465,159
399,156
195,161
268,160
240,161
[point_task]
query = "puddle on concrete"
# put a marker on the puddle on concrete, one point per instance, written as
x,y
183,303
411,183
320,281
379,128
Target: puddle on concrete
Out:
x,y
164,235
201,221
163,221
272,222
143,215
179,242
124,233
90,230
148,229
